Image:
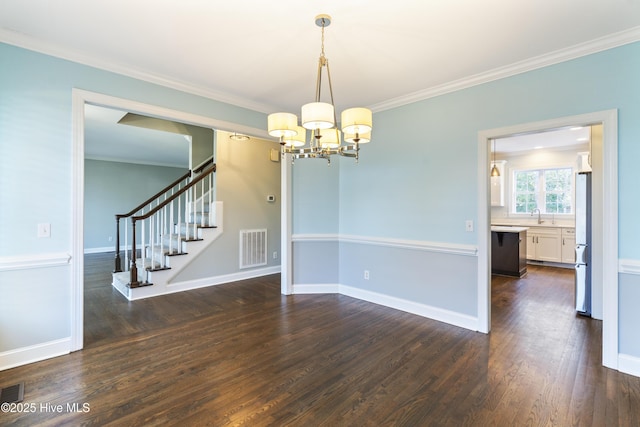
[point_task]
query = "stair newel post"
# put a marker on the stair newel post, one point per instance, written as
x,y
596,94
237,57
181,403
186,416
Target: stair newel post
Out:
x,y
118,262
133,281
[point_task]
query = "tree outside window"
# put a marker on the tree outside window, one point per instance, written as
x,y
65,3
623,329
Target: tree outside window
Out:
x,y
549,190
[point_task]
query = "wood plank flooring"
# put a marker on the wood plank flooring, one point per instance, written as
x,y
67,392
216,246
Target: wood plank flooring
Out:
x,y
242,354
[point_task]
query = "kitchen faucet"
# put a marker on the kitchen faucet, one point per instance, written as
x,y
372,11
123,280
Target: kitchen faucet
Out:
x,y
540,221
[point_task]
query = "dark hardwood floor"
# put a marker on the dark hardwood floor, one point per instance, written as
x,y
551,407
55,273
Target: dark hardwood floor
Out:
x,y
242,354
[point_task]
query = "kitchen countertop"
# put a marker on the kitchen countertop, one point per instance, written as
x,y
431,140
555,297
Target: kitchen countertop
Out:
x,y
508,229
533,225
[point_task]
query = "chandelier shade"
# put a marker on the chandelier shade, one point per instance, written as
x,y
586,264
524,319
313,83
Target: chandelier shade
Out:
x,y
318,115
362,138
320,118
297,140
282,124
356,120
329,138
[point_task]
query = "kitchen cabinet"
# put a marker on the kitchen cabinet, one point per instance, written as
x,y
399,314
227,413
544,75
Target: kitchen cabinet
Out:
x,y
509,251
497,184
543,244
568,249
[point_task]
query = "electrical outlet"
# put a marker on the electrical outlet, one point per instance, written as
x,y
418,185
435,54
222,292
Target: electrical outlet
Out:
x,y
366,275
469,225
275,255
44,230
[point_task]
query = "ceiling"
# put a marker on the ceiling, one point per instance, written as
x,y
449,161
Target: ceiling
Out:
x,y
263,55
575,138
106,139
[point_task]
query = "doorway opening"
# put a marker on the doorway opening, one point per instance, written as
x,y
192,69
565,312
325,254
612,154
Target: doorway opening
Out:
x,y
605,224
80,99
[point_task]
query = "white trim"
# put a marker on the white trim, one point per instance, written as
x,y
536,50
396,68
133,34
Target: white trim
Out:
x,y
319,288
79,98
607,42
220,280
441,247
286,253
315,237
608,222
35,353
629,266
187,285
424,310
25,262
611,41
629,364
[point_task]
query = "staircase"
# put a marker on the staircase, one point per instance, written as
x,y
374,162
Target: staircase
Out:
x,y
167,231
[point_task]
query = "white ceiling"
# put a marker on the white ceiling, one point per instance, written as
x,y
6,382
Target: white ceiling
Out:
x,y
576,138
263,55
105,139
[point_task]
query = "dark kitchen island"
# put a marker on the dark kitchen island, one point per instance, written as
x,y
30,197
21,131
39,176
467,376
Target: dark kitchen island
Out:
x,y
509,251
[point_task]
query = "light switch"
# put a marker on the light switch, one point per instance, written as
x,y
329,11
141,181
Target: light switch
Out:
x,y
44,230
469,225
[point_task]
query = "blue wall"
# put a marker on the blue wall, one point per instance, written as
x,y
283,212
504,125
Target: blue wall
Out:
x,y
416,180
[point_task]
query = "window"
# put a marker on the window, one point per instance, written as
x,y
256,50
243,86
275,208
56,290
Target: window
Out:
x,y
549,190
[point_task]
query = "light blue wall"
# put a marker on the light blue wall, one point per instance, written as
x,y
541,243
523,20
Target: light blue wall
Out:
x,y
35,135
315,206
417,179
36,182
114,187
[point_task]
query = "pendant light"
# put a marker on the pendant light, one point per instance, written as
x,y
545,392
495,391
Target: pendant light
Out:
x,y
494,170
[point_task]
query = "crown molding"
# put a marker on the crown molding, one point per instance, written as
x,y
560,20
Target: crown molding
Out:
x,y
46,48
610,41
607,42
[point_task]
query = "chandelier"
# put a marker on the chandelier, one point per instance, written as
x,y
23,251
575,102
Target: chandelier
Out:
x,y
320,119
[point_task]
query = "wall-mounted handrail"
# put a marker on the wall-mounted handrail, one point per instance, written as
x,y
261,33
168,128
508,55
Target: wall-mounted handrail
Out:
x,y
203,165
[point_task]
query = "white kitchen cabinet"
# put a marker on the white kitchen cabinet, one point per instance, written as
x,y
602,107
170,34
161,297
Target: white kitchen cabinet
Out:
x,y
543,244
568,245
497,184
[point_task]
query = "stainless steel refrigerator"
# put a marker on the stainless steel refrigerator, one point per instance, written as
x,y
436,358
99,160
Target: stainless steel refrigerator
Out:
x,y
583,243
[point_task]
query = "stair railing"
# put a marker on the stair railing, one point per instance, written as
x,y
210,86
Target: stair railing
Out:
x,y
147,204
166,236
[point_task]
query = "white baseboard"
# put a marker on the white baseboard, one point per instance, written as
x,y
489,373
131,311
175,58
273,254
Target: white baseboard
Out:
x,y
35,353
629,364
100,250
424,310
219,280
434,313
326,288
